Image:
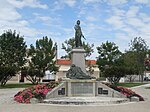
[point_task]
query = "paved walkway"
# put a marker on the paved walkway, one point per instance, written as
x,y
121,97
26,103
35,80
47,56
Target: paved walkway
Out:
x,y
7,104
141,90
7,95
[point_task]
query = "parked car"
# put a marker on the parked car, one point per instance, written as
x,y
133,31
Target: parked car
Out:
x,y
146,78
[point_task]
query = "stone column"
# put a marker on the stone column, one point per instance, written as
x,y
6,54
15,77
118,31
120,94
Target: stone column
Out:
x,y
78,58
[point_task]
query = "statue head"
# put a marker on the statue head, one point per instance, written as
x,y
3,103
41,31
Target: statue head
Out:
x,y
78,22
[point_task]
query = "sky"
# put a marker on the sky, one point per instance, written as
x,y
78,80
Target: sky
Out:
x,y
117,21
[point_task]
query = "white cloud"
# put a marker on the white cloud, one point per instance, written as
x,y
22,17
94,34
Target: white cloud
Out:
x,y
60,4
7,12
128,24
116,21
110,2
116,2
133,11
53,22
144,17
42,18
135,22
117,18
124,21
10,18
142,1
70,3
23,22
82,11
117,11
91,1
91,18
27,3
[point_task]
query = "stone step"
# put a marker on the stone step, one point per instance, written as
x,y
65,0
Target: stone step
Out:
x,y
85,100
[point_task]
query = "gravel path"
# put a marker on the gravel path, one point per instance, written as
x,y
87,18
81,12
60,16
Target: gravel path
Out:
x,y
6,95
141,90
8,105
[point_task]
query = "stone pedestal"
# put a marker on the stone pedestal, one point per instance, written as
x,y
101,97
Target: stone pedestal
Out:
x,y
78,58
81,87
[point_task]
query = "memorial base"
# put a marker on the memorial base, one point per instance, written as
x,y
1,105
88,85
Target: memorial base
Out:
x,y
82,88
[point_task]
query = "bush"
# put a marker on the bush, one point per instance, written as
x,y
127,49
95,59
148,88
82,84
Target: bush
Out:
x,y
6,73
125,91
38,91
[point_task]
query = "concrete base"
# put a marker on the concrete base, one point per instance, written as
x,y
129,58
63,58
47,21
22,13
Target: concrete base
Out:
x,y
78,58
134,99
82,88
86,100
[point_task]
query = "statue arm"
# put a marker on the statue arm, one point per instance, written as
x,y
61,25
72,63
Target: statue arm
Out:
x,y
83,37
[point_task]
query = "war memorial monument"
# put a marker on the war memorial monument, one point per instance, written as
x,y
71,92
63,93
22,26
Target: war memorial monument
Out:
x,y
78,84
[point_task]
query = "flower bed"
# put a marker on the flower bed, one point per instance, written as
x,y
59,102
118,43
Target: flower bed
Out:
x,y
37,91
125,91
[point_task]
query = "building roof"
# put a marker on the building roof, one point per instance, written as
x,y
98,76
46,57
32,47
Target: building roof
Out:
x,y
68,62
92,62
63,62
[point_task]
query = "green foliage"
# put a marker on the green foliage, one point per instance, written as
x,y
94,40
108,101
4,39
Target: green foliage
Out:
x,y
12,55
138,45
114,73
6,73
12,49
68,45
147,61
110,62
129,59
140,49
42,59
108,55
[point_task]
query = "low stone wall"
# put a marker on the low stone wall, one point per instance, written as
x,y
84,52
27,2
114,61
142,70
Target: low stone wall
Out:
x,y
83,88
59,91
103,90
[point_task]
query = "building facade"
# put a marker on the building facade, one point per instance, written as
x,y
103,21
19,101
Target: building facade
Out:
x,y
64,65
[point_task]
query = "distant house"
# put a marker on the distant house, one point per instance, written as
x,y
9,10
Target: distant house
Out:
x,y
64,65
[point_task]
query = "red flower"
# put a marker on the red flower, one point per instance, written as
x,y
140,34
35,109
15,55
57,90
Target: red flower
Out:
x,y
38,91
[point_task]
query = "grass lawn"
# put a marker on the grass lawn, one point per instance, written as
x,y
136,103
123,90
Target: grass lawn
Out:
x,y
130,84
147,87
16,86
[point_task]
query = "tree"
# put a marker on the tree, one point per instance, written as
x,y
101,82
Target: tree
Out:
x,y
68,45
114,73
42,59
140,48
129,59
12,55
6,73
108,55
110,62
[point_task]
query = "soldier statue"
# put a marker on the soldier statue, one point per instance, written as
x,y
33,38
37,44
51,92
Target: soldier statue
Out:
x,y
78,34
